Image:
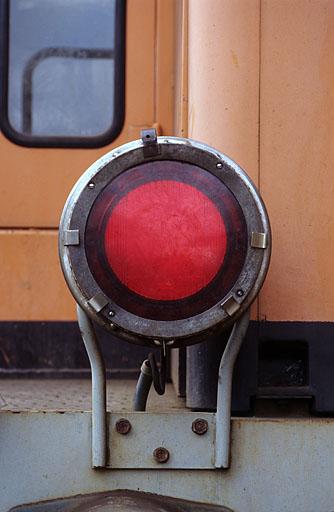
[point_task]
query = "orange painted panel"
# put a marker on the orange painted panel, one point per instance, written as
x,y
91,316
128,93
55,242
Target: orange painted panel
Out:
x,y
181,69
165,64
297,157
32,286
34,183
224,77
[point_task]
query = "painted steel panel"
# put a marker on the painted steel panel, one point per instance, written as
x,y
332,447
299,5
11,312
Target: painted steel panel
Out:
x,y
35,182
224,78
297,157
278,465
31,284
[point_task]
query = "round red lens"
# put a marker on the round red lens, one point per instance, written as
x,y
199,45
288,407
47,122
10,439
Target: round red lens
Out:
x,y
165,240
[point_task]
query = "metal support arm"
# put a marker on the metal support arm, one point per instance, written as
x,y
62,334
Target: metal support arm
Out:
x,y
99,405
224,394
99,400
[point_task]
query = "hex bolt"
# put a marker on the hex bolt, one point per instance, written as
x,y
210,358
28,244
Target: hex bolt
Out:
x,y
199,426
91,185
240,293
111,313
123,426
219,165
161,454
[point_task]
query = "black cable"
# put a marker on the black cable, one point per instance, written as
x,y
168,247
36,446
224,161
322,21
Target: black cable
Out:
x,y
158,375
143,387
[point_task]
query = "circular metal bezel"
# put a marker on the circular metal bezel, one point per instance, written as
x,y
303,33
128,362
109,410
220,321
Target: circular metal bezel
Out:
x,y
109,314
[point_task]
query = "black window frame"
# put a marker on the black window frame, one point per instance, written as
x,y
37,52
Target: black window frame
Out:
x,y
42,141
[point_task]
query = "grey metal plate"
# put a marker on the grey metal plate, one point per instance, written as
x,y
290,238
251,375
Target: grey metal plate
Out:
x,y
172,431
278,465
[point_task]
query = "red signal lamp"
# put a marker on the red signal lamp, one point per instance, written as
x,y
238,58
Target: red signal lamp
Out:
x,y
164,240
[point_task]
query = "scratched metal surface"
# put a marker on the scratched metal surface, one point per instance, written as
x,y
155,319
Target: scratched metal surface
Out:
x,y
75,395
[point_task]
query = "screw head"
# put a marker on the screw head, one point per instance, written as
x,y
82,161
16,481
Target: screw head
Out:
x,y
219,165
111,313
240,293
91,185
199,426
161,454
123,426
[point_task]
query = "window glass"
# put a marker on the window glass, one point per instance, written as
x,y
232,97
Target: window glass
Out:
x,y
62,67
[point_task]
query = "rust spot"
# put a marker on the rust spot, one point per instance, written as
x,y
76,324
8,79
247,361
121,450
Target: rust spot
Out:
x,y
235,59
161,454
200,426
123,426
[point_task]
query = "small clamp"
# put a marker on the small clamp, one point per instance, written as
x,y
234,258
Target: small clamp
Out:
x,y
150,142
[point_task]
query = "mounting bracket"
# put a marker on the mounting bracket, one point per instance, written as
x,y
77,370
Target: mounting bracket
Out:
x,y
182,440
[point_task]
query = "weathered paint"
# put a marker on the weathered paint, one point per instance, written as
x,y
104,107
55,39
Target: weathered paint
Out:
x,y
224,78
42,178
34,183
297,157
277,465
31,284
261,89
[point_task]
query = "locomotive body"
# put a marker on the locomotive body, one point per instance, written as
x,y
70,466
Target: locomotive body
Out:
x,y
252,79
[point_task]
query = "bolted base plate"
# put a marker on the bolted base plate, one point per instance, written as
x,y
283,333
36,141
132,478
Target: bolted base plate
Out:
x,y
162,441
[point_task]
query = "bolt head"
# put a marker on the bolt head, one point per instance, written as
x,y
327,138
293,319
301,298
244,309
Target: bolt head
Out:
x,y
240,293
91,185
199,426
219,165
123,426
161,455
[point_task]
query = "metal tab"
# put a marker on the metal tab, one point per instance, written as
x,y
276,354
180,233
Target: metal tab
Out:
x,y
259,240
71,237
230,306
150,142
98,302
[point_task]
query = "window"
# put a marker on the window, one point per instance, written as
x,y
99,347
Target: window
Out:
x,y
63,80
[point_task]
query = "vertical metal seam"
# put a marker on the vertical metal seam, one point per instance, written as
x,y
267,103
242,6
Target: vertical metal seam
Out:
x,y
259,96
185,72
155,64
258,300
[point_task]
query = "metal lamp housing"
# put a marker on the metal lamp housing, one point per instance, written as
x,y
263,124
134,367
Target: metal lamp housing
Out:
x,y
102,308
